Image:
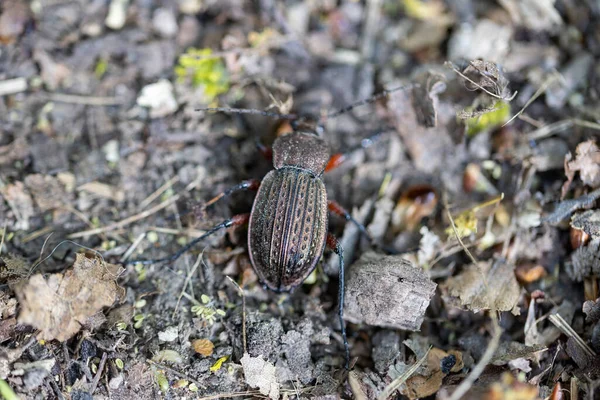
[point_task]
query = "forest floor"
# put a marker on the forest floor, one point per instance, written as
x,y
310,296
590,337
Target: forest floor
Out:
x,y
478,176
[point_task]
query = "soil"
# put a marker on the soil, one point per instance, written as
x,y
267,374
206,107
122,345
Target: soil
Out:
x,y
469,155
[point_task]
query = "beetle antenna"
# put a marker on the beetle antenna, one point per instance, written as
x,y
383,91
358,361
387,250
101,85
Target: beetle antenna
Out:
x,y
369,100
291,117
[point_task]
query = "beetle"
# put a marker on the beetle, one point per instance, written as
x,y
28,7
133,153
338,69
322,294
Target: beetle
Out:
x,y
288,224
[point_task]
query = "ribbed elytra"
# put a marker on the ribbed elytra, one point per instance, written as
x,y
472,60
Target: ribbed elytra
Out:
x,y
288,227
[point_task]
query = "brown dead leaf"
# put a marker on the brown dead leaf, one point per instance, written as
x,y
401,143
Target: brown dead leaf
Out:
x,y
60,304
511,389
203,346
488,76
529,272
419,386
587,163
469,290
20,203
46,190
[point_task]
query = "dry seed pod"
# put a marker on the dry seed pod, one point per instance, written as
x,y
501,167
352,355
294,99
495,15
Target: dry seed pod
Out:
x,y
203,346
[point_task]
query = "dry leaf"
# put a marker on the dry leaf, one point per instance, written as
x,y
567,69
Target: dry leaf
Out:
x,y
470,291
20,203
261,374
511,389
203,346
587,157
46,190
59,304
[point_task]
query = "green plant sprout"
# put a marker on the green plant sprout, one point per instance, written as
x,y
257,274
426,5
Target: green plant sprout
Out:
x,y
203,70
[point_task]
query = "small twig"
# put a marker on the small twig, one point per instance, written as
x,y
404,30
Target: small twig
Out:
x,y
98,373
85,100
188,278
232,395
537,94
3,235
146,202
465,248
127,221
241,292
467,383
192,233
56,389
396,383
565,328
133,246
34,266
176,373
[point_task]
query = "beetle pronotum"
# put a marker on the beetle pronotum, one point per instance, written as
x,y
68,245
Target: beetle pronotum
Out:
x,y
288,224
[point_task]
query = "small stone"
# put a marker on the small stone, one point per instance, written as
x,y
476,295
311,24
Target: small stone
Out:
x,y
159,98
164,22
117,14
169,334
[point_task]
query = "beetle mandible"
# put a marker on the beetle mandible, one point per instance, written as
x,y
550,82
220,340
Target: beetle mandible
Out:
x,y
288,224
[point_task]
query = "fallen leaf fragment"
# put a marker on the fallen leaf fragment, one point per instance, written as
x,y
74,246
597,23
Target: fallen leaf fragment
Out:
x,y
510,388
469,288
586,162
203,346
261,374
60,304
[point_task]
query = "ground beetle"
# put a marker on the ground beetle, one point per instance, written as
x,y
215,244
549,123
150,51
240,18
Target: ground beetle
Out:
x,y
288,225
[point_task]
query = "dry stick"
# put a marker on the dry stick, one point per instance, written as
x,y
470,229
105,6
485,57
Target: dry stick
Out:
x,y
241,292
371,27
127,221
192,233
98,373
231,395
133,246
466,384
146,202
537,94
85,100
188,278
565,328
3,235
396,383
176,373
467,251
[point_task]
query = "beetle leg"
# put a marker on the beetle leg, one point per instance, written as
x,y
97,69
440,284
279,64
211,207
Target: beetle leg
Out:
x,y
334,245
337,159
337,209
236,220
251,184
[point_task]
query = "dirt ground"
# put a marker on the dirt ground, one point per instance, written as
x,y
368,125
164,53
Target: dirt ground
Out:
x,y
475,170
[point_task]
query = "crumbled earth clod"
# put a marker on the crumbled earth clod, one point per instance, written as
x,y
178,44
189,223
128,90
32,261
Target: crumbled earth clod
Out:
x,y
387,291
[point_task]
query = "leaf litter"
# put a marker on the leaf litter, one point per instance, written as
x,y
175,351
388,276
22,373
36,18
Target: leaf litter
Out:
x,y
60,304
101,141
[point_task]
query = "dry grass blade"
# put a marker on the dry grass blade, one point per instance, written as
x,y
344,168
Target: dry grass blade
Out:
x,y
241,292
555,77
396,383
565,328
467,383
